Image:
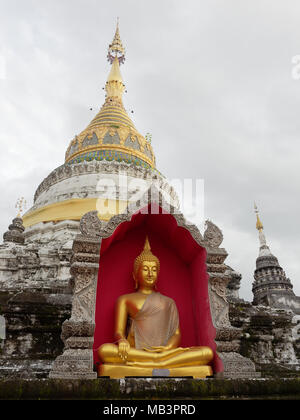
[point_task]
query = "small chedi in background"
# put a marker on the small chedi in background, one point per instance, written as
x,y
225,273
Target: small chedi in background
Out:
x,y
271,324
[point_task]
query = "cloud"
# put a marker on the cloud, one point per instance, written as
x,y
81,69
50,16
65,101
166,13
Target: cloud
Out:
x,y
211,81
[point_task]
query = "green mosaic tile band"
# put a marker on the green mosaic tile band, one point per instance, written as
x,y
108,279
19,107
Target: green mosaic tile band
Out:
x,y
109,156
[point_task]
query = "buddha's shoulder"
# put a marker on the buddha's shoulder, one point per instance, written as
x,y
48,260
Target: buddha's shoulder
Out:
x,y
129,297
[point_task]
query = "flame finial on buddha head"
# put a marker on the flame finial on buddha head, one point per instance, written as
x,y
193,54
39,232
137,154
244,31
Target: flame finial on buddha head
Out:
x,y
145,255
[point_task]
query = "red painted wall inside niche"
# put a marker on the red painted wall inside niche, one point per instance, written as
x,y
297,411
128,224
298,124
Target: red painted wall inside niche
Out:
x,y
182,277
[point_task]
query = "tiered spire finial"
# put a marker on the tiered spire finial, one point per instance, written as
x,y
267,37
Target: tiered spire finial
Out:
x,y
114,86
116,49
264,249
259,225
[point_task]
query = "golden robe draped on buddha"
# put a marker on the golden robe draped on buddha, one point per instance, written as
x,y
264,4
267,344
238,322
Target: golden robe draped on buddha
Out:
x,y
155,323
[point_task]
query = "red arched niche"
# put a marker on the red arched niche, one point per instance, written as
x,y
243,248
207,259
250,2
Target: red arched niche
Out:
x,y
182,277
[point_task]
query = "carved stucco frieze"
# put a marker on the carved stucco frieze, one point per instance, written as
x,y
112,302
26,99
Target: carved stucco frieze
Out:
x,y
216,268
216,258
85,245
82,282
84,268
219,303
79,343
67,171
90,224
78,331
213,236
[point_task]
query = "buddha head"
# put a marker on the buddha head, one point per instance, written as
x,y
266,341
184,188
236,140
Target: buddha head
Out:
x,y
146,268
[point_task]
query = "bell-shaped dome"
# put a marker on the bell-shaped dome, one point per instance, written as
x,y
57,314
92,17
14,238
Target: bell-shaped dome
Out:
x,y
106,165
111,135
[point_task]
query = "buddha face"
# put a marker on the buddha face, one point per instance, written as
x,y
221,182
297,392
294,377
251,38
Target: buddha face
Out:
x,y
147,274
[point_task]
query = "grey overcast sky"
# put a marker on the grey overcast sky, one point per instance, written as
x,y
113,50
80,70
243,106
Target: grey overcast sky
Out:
x,y
212,81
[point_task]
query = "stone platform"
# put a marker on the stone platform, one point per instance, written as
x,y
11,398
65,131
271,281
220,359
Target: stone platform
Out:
x,y
150,389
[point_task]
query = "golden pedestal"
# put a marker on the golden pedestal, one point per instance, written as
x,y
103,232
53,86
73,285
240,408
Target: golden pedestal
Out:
x,y
120,371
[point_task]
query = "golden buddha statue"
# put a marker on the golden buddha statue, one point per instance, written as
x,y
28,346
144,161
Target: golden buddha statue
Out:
x,y
153,337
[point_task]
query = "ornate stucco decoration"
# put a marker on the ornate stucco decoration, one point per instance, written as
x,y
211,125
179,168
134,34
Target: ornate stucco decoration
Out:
x,y
70,191
213,236
90,225
68,171
77,332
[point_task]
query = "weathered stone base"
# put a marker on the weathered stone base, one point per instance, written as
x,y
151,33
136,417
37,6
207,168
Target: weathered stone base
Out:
x,y
269,336
33,319
74,364
271,370
237,366
12,368
110,389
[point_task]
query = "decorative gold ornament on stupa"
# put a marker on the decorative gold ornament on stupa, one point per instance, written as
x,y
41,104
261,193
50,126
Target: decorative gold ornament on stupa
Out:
x,y
259,225
20,206
111,135
116,47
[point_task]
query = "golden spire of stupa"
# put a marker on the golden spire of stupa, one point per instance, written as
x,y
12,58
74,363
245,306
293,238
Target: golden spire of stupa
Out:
x,y
114,86
111,135
259,225
116,55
